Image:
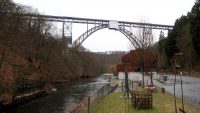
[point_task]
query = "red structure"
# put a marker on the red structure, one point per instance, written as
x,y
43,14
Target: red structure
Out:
x,y
133,60
121,67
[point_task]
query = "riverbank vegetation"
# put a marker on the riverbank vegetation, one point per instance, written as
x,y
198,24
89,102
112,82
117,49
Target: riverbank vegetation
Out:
x,y
32,56
162,103
185,38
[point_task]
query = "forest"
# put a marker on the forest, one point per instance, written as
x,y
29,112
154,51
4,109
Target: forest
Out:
x,y
184,38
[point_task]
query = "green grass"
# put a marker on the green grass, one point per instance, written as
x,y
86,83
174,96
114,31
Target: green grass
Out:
x,y
115,103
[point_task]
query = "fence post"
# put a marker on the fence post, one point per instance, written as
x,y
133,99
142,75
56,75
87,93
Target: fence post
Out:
x,y
108,88
132,84
88,104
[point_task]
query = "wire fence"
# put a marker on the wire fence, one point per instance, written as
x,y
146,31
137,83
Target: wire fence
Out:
x,y
88,104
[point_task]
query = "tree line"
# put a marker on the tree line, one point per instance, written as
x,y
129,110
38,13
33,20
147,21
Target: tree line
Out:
x,y
185,38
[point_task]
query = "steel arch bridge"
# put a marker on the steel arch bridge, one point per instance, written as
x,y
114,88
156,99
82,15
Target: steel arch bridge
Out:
x,y
132,38
98,24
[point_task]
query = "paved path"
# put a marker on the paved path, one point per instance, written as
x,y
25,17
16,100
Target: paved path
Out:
x,y
191,88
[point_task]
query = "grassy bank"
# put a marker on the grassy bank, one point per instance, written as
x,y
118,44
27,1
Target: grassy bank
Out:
x,y
115,103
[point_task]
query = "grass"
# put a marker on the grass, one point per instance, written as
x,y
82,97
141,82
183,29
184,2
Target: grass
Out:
x,y
115,103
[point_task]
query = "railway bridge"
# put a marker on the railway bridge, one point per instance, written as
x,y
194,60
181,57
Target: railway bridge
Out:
x,y
98,24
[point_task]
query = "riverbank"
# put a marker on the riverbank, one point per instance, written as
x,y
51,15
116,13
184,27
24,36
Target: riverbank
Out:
x,y
162,103
65,98
9,107
33,92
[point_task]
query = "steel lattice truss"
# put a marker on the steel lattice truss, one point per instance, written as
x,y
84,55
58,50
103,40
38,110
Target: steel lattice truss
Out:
x,y
92,21
98,24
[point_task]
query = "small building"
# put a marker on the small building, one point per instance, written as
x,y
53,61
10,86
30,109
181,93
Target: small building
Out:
x,y
136,57
133,62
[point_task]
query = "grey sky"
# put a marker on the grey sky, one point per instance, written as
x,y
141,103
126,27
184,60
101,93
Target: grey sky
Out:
x,y
154,11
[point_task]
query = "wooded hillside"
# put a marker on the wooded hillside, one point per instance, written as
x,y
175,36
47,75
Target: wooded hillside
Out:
x,y
31,54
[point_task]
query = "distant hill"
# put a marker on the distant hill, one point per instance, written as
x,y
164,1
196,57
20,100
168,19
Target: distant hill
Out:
x,y
109,59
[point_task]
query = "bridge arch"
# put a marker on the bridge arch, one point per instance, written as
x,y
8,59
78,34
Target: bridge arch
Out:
x,y
132,38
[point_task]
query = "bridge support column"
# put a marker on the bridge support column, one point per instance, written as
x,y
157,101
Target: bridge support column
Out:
x,y
67,32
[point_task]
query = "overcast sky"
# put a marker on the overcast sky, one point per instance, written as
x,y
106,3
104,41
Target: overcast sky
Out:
x,y
154,11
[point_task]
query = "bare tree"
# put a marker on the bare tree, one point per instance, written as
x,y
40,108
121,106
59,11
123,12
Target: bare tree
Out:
x,y
145,39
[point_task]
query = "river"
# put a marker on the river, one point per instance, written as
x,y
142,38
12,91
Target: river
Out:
x,y
64,98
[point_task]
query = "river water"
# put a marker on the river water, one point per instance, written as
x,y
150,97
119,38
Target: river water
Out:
x,y
65,98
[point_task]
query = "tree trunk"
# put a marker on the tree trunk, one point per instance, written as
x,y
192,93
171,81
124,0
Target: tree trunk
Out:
x,y
2,58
